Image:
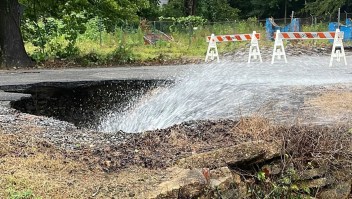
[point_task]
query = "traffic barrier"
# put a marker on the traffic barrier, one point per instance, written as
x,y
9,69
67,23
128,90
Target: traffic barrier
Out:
x,y
337,50
254,51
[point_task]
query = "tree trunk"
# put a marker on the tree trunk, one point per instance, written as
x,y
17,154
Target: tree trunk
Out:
x,y
190,7
11,42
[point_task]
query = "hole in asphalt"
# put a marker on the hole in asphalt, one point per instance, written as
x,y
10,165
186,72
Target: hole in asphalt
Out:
x,y
81,103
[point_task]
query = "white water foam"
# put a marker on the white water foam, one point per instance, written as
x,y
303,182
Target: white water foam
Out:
x,y
225,90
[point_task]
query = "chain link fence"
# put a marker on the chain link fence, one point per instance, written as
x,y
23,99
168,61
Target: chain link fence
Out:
x,y
241,26
225,27
233,27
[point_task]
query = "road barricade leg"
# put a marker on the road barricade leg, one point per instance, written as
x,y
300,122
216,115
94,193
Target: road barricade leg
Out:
x,y
278,52
338,50
254,49
212,51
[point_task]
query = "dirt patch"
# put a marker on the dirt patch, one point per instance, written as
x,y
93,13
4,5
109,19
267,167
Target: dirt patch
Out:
x,y
29,166
330,106
333,102
162,148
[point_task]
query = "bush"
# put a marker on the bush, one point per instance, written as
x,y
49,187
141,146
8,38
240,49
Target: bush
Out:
x,y
122,54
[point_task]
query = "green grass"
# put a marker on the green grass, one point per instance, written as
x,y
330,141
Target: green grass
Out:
x,y
128,46
23,194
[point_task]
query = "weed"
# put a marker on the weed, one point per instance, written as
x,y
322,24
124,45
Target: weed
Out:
x,y
23,194
122,54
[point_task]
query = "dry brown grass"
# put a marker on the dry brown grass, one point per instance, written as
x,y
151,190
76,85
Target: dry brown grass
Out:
x,y
48,174
252,125
333,102
258,127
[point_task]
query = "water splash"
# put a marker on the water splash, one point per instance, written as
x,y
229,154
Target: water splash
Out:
x,y
226,90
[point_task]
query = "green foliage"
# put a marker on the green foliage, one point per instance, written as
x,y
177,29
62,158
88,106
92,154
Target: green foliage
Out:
x,y
92,40
175,8
93,29
40,32
217,10
184,23
24,194
315,28
268,9
283,186
327,6
150,12
212,10
261,176
246,26
54,37
73,24
122,54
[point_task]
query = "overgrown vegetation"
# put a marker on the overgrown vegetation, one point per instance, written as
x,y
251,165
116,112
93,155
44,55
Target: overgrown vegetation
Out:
x,y
325,151
97,44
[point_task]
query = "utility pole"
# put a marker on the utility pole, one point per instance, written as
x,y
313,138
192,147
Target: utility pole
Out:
x,y
338,18
285,12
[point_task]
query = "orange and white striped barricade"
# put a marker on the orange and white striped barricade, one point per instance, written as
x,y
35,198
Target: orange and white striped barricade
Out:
x,y
254,51
336,36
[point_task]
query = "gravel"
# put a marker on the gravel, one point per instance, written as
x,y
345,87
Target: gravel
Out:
x,y
60,133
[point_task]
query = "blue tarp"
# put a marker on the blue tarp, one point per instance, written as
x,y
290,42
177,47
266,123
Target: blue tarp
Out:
x,y
347,29
271,27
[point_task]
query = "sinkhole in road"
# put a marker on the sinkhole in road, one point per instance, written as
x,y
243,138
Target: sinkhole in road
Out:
x,y
227,90
82,103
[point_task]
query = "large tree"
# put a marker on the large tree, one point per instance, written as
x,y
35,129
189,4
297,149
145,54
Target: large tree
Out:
x,y
208,9
12,49
322,7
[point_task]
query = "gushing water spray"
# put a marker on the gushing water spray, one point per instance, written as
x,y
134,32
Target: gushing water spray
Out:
x,y
217,91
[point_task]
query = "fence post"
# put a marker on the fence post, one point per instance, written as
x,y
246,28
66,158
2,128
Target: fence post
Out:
x,y
338,19
190,34
100,29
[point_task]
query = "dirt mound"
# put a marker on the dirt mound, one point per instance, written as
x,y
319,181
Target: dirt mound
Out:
x,y
161,148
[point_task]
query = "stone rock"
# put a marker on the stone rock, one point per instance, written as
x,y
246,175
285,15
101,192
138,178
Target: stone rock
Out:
x,y
245,153
192,183
189,183
222,180
312,173
220,176
340,191
315,183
